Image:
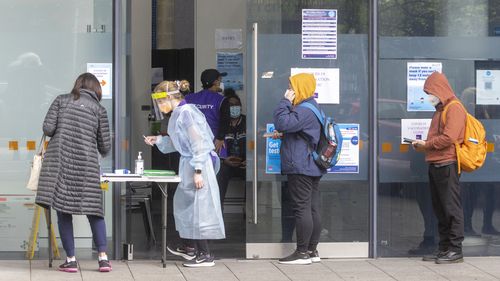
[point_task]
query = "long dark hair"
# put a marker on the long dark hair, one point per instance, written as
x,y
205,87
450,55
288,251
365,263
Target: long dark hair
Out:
x,y
89,82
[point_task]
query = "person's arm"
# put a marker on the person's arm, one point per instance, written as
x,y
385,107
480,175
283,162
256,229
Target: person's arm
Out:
x,y
50,121
454,126
103,136
286,119
165,144
224,120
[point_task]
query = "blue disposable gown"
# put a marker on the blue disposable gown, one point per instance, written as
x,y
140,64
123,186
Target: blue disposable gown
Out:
x,y
197,212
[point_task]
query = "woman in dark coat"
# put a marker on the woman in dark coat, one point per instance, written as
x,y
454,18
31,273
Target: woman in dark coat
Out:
x,y
78,127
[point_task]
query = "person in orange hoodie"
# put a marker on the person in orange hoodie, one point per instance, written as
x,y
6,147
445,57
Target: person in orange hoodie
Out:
x,y
441,155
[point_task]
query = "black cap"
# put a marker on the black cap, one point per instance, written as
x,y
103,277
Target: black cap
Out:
x,y
208,77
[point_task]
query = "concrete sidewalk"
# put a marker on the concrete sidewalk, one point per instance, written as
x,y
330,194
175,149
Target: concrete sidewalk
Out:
x,y
482,268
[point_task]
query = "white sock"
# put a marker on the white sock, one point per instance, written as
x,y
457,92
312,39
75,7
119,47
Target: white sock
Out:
x,y
103,258
71,259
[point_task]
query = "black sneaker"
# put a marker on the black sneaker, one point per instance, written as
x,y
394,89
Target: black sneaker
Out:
x,y
69,266
450,257
182,251
201,260
314,256
434,256
104,266
296,258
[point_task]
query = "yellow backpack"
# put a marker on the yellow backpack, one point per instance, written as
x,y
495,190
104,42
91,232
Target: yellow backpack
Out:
x,y
472,152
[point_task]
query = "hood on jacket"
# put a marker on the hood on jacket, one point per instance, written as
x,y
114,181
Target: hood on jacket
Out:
x,y
304,86
437,84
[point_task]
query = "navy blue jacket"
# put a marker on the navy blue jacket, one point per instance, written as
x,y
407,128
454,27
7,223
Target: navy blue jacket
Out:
x,y
298,124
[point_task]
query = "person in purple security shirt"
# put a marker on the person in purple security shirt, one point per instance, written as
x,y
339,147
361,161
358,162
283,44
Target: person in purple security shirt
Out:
x,y
210,102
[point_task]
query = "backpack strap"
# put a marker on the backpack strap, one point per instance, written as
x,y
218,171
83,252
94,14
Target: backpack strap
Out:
x,y
319,114
443,119
445,110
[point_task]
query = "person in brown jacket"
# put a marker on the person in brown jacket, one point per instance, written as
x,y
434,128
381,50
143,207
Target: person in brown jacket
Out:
x,y
440,153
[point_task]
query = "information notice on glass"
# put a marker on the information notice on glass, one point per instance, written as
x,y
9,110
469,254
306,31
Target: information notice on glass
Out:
x,y
273,159
319,34
417,73
327,83
349,156
104,73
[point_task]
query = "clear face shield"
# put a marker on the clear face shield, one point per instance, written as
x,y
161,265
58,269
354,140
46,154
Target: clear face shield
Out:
x,y
161,104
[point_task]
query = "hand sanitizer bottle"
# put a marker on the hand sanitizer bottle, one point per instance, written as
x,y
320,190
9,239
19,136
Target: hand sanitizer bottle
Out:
x,y
139,164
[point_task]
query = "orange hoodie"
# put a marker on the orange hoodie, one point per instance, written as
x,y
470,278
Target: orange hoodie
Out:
x,y
304,85
439,147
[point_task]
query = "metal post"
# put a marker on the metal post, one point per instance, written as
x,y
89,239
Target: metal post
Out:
x,y
117,121
255,126
373,88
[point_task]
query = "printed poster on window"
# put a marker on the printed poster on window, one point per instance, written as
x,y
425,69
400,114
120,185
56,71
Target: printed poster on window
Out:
x,y
104,73
273,159
488,86
232,64
349,156
319,34
417,72
327,83
415,129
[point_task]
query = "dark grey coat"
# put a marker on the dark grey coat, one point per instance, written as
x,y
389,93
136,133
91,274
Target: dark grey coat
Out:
x,y
69,179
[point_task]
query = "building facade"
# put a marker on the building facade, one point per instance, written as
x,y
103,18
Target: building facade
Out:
x,y
369,60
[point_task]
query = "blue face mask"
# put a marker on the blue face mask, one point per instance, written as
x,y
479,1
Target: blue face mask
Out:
x,y
235,111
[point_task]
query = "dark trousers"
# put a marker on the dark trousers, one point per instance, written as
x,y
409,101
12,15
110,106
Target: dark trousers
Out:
x,y
201,246
225,174
447,205
97,224
304,191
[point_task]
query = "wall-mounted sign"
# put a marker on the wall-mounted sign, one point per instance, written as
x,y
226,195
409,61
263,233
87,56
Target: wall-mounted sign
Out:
x,y
327,83
417,73
228,39
232,64
319,34
104,73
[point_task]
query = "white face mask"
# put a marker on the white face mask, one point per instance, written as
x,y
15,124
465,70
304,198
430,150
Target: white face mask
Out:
x,y
434,100
221,87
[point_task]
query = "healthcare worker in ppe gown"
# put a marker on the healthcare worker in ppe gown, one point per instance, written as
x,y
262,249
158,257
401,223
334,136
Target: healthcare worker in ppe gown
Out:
x,y
197,210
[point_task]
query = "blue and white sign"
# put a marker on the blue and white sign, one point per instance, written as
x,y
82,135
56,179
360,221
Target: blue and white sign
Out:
x,y
349,156
487,86
319,34
417,73
273,159
232,64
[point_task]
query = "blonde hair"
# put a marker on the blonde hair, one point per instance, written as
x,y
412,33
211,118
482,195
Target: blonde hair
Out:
x,y
169,86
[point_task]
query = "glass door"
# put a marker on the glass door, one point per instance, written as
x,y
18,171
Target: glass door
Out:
x,y
279,40
42,55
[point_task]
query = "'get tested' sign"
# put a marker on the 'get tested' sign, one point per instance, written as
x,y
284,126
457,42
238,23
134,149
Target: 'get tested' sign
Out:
x,y
273,160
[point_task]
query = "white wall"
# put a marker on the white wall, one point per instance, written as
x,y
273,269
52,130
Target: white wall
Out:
x,y
226,14
139,77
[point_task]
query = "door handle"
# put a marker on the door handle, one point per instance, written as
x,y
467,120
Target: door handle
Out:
x,y
255,30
